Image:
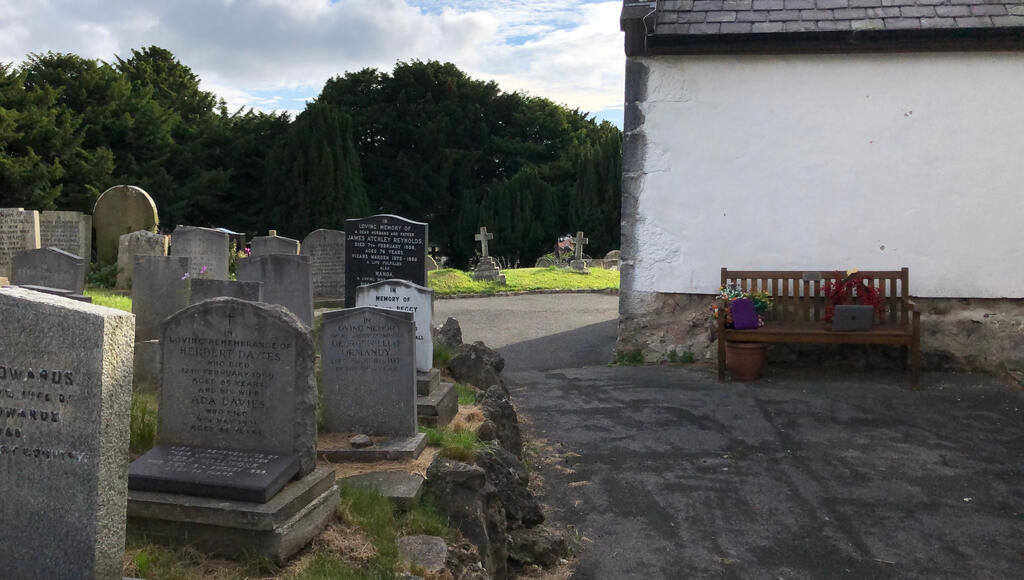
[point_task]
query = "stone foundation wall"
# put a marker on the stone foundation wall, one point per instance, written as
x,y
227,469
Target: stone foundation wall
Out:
x,y
956,334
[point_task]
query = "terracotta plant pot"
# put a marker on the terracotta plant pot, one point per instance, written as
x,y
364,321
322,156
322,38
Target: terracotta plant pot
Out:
x,y
745,360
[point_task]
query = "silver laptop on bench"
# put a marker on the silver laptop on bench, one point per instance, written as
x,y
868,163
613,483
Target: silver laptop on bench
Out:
x,y
849,317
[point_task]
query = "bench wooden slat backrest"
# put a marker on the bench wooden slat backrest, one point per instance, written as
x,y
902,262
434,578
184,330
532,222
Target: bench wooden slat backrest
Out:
x,y
799,296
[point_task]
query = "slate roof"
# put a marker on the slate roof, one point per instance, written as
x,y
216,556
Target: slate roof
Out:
x,y
706,25
752,16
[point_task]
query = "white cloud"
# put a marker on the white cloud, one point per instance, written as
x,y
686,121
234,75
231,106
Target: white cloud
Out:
x,y
567,50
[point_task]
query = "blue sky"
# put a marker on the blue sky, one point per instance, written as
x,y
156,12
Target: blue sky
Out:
x,y
276,54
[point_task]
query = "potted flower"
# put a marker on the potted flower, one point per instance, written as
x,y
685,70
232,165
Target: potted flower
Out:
x,y
852,288
742,310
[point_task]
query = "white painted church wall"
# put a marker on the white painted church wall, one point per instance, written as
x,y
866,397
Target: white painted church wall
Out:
x,y
822,162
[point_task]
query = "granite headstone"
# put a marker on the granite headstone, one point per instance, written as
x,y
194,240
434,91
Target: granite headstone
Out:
x,y
66,388
239,376
19,231
369,371
383,247
49,267
408,297
287,281
205,289
120,210
159,289
140,243
326,251
208,249
70,231
273,244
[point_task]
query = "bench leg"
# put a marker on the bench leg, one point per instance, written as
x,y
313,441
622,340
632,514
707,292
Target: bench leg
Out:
x,y
721,358
915,367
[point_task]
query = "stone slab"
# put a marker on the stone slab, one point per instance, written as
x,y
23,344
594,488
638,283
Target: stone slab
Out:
x,y
428,381
70,231
439,407
368,370
277,529
273,244
326,251
19,231
158,291
206,472
407,297
207,248
390,449
401,487
383,247
238,375
146,366
65,388
140,243
427,552
49,267
201,289
120,210
287,281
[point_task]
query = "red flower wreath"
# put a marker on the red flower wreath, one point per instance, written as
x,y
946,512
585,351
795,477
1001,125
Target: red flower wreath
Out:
x,y
843,291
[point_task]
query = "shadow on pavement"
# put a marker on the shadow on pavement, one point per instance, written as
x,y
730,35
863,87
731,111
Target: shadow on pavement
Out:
x,y
584,346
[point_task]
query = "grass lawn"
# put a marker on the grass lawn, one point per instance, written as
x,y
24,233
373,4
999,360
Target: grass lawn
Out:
x,y
448,282
109,299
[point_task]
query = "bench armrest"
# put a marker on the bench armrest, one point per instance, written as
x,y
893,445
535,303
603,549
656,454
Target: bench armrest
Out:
x,y
912,306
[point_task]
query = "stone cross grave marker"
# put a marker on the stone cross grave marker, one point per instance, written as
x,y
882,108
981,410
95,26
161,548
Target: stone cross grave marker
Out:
x,y
140,243
287,281
66,389
19,231
49,267
580,242
326,251
208,249
120,210
482,237
237,403
70,231
407,297
273,244
159,290
369,371
383,247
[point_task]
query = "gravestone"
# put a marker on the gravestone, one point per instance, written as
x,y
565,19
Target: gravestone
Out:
x,y
326,251
238,375
140,243
487,268
273,244
208,249
578,263
237,421
383,247
286,280
159,290
369,371
66,387
19,231
201,289
120,210
49,267
70,231
407,297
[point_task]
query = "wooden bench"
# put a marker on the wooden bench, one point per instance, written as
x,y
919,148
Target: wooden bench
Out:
x,y
798,307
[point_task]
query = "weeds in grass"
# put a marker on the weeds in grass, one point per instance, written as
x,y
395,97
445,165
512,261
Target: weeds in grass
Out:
x,y
424,518
458,445
374,514
467,394
675,357
629,357
449,281
142,427
442,354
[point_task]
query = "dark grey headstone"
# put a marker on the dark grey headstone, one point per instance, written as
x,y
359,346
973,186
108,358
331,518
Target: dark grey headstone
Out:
x,y
383,247
19,231
273,244
206,472
159,289
407,297
49,267
326,251
209,250
287,281
205,289
70,231
369,371
239,375
65,387
140,243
